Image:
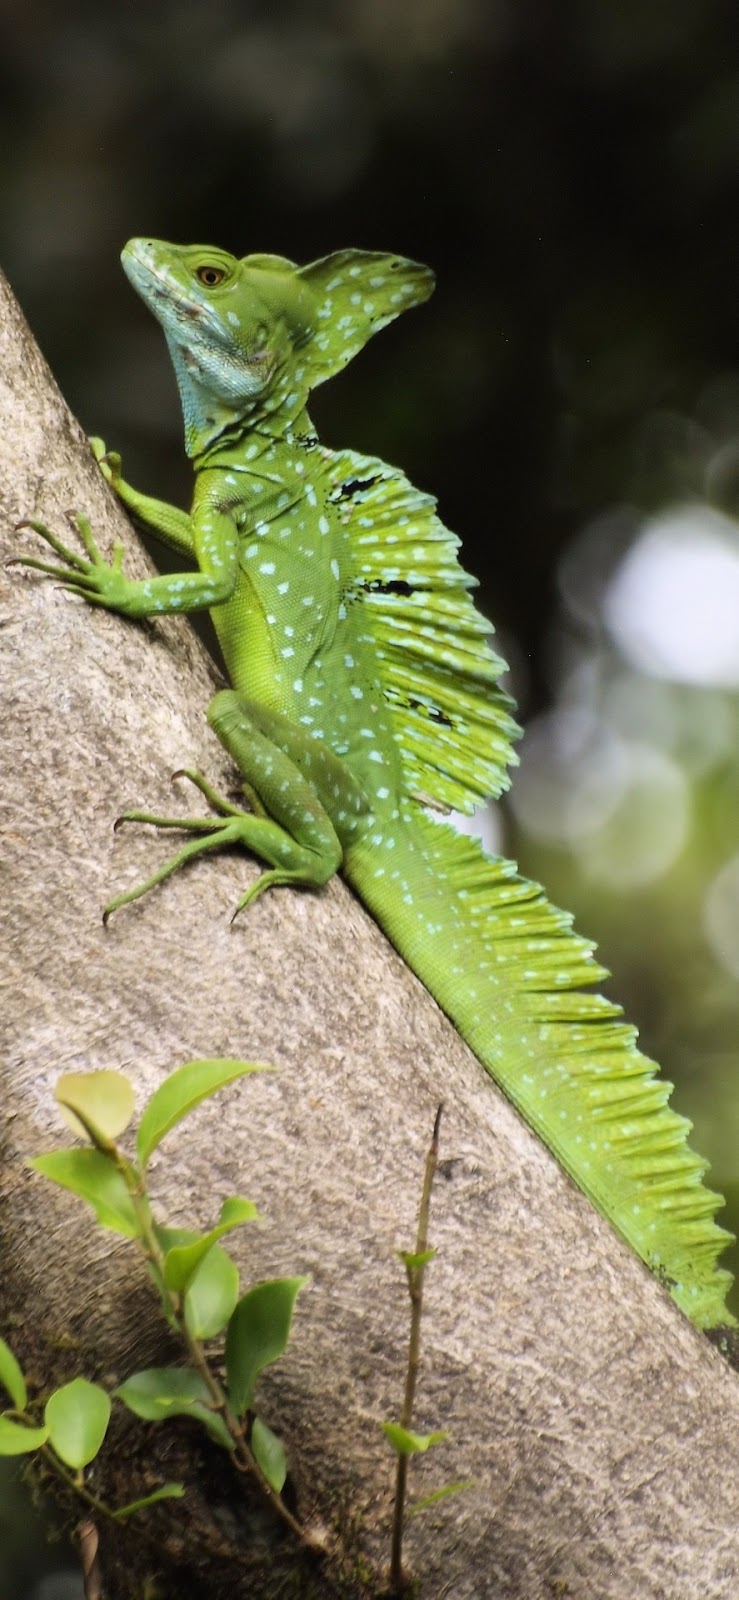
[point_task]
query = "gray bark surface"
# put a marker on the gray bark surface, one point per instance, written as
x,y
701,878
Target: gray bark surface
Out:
x,y
599,1428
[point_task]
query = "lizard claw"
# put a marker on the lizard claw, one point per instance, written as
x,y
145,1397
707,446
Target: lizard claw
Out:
x,y
72,561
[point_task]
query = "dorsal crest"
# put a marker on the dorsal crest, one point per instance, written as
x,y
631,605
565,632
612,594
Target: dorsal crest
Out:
x,y
451,720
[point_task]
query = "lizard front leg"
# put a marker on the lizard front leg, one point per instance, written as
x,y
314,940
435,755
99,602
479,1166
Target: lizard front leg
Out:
x,y
101,582
208,537
307,806
104,583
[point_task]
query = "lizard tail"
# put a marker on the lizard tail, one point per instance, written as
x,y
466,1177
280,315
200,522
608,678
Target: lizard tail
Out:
x,y
507,968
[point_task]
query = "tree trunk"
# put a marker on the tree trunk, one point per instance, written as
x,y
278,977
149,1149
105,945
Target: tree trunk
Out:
x,y
599,1429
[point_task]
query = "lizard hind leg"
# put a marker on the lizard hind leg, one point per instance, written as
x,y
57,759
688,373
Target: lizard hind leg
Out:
x,y
288,827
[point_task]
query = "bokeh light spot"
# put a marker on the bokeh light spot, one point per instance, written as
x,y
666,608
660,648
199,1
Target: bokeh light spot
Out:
x,y
673,603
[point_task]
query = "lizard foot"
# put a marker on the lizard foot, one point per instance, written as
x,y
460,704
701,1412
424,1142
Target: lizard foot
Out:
x,y
216,834
99,581
233,828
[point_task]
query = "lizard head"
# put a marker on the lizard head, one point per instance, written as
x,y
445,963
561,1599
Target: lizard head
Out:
x,y
245,332
219,317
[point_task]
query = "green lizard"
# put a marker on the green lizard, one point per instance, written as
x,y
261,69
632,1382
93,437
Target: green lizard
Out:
x,y
365,690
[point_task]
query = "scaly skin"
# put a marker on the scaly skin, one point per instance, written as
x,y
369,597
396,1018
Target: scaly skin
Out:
x,y
363,689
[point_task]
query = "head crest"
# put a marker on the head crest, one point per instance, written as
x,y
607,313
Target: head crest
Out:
x,y
357,292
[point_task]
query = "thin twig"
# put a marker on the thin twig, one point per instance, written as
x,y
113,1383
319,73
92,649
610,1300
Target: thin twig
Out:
x,y
415,1290
92,1576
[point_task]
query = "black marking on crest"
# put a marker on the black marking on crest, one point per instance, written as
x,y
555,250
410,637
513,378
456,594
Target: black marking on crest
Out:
x,y
392,586
432,712
354,486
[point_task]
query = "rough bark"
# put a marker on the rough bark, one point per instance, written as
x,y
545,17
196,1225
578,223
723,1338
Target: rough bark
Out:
x,y
599,1428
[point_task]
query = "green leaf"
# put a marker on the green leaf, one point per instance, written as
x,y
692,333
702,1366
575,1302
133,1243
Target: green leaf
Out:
x,y
440,1494
406,1443
162,1392
158,1392
235,1210
212,1294
17,1440
12,1378
168,1491
257,1335
92,1176
180,1093
167,1238
183,1260
269,1454
412,1262
105,1100
77,1417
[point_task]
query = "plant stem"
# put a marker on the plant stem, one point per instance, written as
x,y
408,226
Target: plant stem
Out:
x,y
245,1459
90,1499
173,1308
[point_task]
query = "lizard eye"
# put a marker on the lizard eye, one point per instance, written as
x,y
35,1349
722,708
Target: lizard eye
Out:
x,y
211,276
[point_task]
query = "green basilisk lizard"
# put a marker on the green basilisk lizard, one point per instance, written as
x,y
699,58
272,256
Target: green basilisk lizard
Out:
x,y
364,690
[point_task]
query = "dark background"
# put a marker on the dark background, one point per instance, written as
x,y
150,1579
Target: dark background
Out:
x,y
570,170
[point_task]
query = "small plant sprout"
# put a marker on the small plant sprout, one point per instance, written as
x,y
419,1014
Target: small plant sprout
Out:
x,y
197,1284
399,1435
